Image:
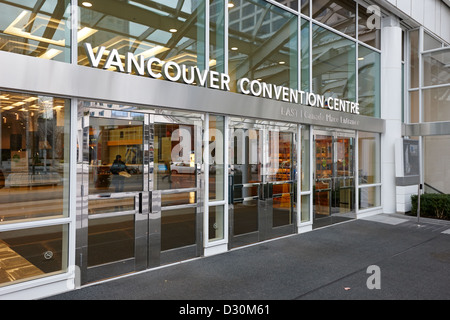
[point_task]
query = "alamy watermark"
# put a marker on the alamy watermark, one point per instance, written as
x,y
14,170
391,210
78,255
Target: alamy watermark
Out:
x,y
374,21
374,280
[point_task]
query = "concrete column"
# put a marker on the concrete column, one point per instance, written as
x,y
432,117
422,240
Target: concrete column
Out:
x,y
391,106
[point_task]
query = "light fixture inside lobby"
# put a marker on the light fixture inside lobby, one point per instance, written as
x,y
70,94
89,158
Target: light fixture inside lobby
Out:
x,y
86,4
173,30
230,5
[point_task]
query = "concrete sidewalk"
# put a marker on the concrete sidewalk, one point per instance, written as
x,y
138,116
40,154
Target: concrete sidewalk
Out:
x,y
328,263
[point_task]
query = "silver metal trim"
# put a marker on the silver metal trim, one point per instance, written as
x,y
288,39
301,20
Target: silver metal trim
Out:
x,y
67,80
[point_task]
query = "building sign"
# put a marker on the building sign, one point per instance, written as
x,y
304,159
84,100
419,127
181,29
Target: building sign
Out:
x,y
174,72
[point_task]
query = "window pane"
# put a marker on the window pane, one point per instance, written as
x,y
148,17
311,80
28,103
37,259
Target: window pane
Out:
x,y
115,155
305,167
334,65
414,103
369,197
263,44
338,14
430,43
155,29
216,157
369,74
305,208
436,104
32,253
369,157
34,150
305,54
414,58
436,153
216,223
437,68
36,28
293,4
369,36
217,35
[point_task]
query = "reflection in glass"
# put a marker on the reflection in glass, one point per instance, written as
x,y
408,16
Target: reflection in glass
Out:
x,y
414,102
430,43
333,65
369,197
178,228
280,156
32,253
369,75
168,30
37,28
216,157
245,155
110,239
338,14
305,54
436,68
115,155
369,36
216,223
436,153
436,104
263,44
414,58
217,35
34,151
305,208
369,157
282,205
174,153
245,217
305,161
111,205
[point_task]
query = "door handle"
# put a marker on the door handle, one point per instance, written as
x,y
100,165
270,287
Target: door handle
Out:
x,y
140,202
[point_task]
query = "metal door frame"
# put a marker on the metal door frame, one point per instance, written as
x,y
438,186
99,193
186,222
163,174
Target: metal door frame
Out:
x,y
157,257
335,134
147,209
265,194
139,261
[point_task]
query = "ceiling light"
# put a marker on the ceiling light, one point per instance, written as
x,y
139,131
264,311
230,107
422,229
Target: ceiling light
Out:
x,y
281,62
361,59
86,4
234,48
230,5
173,30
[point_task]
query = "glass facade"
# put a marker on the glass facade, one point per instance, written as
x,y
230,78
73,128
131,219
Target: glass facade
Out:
x,y
328,49
263,43
333,64
37,28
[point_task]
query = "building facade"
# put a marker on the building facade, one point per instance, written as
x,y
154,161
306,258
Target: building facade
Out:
x,y
136,134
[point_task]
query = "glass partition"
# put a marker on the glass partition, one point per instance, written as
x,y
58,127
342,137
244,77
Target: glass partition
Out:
x,y
338,14
32,253
369,75
436,68
167,30
34,150
370,36
436,104
263,43
369,158
37,28
333,65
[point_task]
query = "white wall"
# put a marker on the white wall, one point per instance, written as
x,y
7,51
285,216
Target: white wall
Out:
x,y
434,15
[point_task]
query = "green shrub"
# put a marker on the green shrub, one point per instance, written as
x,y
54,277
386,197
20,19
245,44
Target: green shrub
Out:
x,y
432,205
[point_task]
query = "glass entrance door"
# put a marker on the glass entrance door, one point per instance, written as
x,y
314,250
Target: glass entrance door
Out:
x,y
261,181
114,194
334,191
176,188
140,189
